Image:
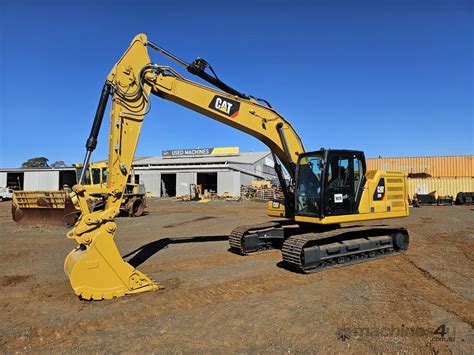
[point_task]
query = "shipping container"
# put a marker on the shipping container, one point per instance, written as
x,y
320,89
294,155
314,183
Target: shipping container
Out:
x,y
442,186
447,166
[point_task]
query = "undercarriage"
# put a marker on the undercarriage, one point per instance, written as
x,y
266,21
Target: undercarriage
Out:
x,y
312,248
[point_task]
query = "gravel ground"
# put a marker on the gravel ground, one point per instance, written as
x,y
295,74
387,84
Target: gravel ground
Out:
x,y
215,301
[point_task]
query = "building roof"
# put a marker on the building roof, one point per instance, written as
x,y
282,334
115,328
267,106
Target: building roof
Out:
x,y
22,170
242,158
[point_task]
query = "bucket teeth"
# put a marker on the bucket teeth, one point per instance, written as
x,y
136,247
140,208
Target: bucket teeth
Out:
x,y
98,296
87,293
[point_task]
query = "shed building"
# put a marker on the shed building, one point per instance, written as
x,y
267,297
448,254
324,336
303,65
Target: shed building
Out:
x,y
33,179
172,175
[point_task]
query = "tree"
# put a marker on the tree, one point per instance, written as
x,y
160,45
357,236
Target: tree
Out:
x,y
58,164
38,162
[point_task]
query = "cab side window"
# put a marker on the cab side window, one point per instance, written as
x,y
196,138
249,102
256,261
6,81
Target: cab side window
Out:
x,y
104,175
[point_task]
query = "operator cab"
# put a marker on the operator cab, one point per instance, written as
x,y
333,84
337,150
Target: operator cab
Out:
x,y
96,173
329,182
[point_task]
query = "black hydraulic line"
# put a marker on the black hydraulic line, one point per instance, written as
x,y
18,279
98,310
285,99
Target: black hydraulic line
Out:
x,y
279,128
289,196
262,100
99,114
265,101
197,68
167,54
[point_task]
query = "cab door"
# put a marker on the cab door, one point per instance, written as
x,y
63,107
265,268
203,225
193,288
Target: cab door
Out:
x,y
344,182
339,193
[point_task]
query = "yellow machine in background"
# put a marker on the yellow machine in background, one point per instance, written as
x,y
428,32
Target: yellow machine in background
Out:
x,y
44,207
134,196
327,187
62,207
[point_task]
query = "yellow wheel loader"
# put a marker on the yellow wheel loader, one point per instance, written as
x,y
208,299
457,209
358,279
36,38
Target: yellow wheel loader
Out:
x,y
133,199
328,188
62,208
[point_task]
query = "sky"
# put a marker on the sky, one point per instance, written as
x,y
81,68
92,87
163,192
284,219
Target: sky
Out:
x,y
391,78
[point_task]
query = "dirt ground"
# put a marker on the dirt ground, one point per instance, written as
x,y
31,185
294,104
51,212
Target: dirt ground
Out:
x,y
215,301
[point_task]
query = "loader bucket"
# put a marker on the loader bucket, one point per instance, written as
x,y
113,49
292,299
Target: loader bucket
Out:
x,y
43,207
97,271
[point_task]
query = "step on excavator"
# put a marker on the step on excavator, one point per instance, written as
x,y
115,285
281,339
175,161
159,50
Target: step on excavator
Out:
x,y
327,188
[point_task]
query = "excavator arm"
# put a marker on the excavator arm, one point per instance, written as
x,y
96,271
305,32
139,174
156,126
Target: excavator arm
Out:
x,y
95,268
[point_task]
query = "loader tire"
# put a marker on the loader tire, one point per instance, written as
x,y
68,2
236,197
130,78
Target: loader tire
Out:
x,y
135,207
138,208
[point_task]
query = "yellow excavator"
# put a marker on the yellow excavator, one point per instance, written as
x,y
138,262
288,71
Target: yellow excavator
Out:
x,y
327,187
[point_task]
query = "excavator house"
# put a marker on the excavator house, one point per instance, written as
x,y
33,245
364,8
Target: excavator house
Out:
x,y
328,188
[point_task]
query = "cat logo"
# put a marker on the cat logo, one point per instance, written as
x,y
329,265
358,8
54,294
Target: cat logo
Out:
x,y
379,192
226,106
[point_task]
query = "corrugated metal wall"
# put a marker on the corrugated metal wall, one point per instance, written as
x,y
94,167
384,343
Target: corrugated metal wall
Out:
x,y
228,182
183,180
442,186
3,179
41,180
448,166
152,181
246,179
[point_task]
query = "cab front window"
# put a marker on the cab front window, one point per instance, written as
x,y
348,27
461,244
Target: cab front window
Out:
x,y
96,176
87,176
308,185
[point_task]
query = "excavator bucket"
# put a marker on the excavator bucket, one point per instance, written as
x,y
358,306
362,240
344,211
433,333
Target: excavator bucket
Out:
x,y
97,271
43,207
